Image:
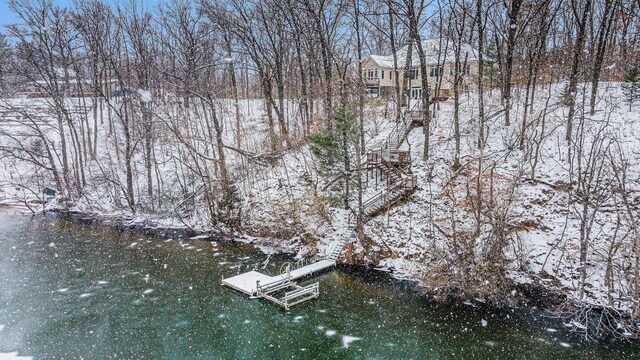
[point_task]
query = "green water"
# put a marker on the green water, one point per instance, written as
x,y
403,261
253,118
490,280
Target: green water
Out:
x,y
76,291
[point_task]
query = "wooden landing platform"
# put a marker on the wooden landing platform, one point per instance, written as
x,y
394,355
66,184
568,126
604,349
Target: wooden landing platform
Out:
x,y
247,282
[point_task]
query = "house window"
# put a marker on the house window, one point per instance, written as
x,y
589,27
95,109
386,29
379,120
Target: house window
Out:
x,y
436,71
390,75
372,74
414,73
464,69
416,93
382,74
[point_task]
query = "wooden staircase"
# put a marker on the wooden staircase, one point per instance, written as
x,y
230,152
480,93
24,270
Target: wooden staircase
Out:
x,y
399,133
336,249
395,165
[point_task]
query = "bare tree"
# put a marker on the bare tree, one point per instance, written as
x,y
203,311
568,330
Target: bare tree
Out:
x,y
581,19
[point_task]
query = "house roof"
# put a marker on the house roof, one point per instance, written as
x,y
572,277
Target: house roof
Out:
x,y
382,61
430,47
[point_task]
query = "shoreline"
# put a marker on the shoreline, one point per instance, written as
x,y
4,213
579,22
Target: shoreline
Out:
x,y
528,297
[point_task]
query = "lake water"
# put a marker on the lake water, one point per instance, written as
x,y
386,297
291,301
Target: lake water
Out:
x,y
77,291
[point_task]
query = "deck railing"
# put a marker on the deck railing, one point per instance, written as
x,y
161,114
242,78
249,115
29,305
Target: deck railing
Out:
x,y
393,156
371,81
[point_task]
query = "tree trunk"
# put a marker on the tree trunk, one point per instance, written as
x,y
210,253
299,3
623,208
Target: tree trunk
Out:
x,y
396,73
511,42
426,118
480,73
573,78
603,36
406,80
234,90
356,8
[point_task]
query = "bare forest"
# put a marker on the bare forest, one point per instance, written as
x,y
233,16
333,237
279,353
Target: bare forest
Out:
x,y
254,119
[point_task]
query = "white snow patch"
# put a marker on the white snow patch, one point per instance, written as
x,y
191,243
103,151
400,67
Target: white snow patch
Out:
x,y
102,282
382,268
330,332
63,290
347,340
148,291
565,345
578,325
145,95
199,237
484,323
85,295
13,355
1,327
298,318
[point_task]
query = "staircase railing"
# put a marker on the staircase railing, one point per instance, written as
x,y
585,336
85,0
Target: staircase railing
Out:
x,y
389,196
391,161
388,155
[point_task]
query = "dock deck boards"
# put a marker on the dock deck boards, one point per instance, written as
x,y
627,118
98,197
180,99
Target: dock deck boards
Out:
x,y
310,269
246,282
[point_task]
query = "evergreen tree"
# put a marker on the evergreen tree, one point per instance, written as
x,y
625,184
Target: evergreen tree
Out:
x,y
337,150
631,85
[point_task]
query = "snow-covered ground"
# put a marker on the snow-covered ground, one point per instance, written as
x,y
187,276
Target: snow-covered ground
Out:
x,y
544,216
432,237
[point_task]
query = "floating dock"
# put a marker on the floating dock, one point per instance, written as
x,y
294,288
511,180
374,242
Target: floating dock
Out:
x,y
256,284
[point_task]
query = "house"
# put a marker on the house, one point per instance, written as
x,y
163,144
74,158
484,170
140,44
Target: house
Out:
x,y
379,71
